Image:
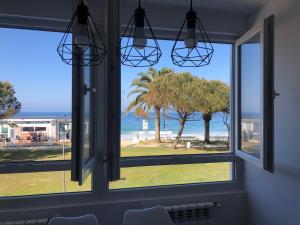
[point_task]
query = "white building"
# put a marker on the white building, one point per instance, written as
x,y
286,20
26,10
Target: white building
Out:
x,y
16,131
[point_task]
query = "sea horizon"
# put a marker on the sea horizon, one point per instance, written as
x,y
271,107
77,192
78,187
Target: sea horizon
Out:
x,y
132,126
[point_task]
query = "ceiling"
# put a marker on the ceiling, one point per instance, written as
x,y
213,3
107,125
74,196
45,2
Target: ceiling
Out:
x,y
243,6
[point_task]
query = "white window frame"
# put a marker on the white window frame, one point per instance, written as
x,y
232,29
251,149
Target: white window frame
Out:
x,y
266,159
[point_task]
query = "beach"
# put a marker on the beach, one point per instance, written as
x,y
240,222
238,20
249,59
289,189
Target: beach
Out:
x,y
132,127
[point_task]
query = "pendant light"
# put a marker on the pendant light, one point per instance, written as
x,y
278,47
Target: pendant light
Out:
x,y
196,50
139,47
87,46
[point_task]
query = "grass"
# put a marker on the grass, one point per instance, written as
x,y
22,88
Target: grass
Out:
x,y
154,151
172,174
18,155
52,182
39,183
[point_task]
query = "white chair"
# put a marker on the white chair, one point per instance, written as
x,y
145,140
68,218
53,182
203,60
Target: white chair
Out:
x,y
80,220
151,216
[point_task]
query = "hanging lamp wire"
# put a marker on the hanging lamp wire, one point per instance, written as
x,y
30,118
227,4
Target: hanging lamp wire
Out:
x,y
86,47
196,50
139,53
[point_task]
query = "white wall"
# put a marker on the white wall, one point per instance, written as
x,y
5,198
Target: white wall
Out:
x,y
166,20
231,213
36,13
275,198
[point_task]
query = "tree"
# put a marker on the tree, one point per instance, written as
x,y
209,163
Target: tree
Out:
x,y
226,122
146,97
213,97
226,118
9,104
178,92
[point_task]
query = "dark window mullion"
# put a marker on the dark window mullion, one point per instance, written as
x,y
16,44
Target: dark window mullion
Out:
x,y
31,167
175,160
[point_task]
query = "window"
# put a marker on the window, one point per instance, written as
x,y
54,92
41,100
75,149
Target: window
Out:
x,y
28,129
4,130
36,152
250,112
255,94
83,157
40,128
155,139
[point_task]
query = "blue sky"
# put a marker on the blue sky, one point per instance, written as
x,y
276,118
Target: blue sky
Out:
x,y
250,81
43,82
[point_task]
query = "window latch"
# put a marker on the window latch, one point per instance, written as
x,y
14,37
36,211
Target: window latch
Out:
x,y
275,94
86,90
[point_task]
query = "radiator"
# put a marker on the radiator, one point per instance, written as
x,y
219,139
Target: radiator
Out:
x,y
193,214
41,221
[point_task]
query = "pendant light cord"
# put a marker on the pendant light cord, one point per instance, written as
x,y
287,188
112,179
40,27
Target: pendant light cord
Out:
x,y
139,3
191,4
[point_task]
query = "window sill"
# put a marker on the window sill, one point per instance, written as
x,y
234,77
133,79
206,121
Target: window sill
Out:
x,y
47,201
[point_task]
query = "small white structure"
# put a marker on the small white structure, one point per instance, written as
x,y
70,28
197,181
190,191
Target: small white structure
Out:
x,y
188,144
145,124
15,131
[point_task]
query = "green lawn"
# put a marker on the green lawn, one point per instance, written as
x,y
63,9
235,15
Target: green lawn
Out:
x,y
33,155
172,174
154,151
39,183
52,182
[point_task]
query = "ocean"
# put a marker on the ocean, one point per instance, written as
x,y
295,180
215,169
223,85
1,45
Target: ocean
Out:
x,y
132,126
42,115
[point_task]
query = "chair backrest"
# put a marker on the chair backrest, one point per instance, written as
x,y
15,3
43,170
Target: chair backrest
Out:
x,y
80,220
151,216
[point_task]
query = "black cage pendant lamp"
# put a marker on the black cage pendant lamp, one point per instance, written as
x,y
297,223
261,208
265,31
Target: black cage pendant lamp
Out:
x,y
87,47
196,50
139,47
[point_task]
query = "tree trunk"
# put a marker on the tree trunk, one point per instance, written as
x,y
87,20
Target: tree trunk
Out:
x,y
157,125
227,124
207,118
228,136
180,131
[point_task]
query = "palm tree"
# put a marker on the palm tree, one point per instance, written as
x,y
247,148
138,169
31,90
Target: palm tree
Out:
x,y
143,101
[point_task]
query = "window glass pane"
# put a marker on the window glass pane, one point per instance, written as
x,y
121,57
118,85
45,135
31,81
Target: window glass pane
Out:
x,y
4,130
133,177
250,76
40,129
39,85
157,102
87,153
40,183
28,129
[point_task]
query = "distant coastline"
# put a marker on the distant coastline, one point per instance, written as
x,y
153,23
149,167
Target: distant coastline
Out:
x,y
42,115
131,126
